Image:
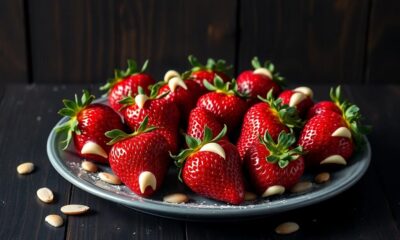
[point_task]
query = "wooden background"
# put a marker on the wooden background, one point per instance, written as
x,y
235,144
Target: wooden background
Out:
x,y
75,41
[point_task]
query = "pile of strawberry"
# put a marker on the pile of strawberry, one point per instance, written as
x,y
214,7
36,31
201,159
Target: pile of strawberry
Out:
x,y
277,133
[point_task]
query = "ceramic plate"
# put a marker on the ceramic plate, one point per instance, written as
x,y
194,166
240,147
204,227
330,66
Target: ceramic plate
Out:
x,y
67,163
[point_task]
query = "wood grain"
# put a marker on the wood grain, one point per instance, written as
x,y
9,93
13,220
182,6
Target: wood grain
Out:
x,y
383,42
108,220
13,55
310,41
83,41
28,114
382,113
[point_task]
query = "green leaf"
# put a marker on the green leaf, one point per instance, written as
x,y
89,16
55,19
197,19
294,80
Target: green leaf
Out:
x,y
191,141
143,125
207,136
67,112
145,65
255,63
70,104
209,86
220,134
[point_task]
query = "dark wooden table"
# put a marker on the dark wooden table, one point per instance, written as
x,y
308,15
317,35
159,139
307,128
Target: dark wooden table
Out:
x,y
368,210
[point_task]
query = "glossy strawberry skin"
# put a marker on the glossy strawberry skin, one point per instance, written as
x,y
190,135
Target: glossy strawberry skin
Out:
x,y
256,121
264,174
93,122
129,86
144,152
302,107
201,75
317,142
256,85
322,107
198,119
210,175
184,99
162,114
228,109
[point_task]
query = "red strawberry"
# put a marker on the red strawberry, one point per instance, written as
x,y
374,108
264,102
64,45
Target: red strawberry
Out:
x,y
199,118
139,159
212,168
126,83
274,166
330,137
260,81
184,93
225,102
87,125
323,106
162,114
269,115
208,72
300,98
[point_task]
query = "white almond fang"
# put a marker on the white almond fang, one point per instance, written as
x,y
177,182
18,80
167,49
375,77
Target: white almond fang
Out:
x,y
45,195
74,209
140,100
301,187
274,190
170,74
176,198
93,148
335,159
89,166
54,220
174,82
146,179
263,71
296,98
342,132
215,148
305,90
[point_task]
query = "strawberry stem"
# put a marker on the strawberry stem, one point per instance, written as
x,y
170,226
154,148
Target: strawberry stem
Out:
x,y
281,151
120,75
117,135
228,88
71,110
276,76
219,65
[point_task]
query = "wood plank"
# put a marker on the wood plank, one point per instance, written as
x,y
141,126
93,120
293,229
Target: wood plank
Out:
x,y
113,221
85,40
13,55
378,106
28,114
361,212
383,39
309,41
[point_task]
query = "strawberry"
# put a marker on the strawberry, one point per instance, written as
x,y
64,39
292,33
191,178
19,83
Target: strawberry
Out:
x,y
331,137
269,115
323,106
162,114
87,125
139,159
212,168
274,166
300,98
126,83
199,118
184,93
224,102
260,81
208,72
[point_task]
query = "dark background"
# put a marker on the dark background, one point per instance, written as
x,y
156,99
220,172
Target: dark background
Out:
x,y
75,41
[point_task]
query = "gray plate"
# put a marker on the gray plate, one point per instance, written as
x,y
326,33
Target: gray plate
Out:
x,y
67,163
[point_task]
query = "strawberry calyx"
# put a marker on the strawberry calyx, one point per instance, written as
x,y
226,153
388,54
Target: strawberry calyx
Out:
x,y
228,88
120,75
117,135
276,77
287,115
71,110
281,152
351,114
219,65
194,145
129,100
